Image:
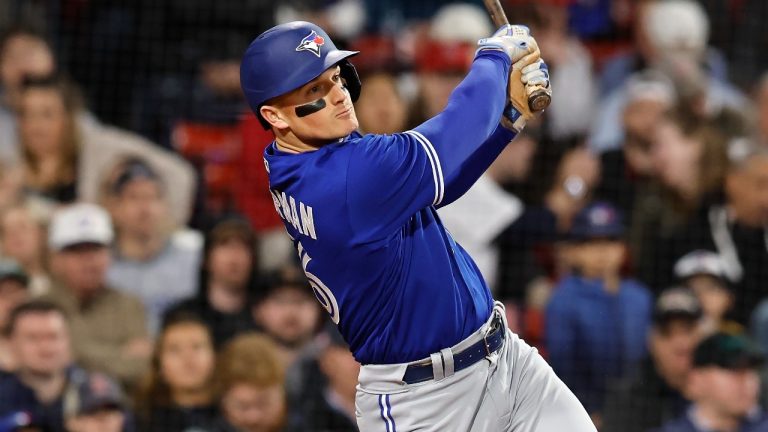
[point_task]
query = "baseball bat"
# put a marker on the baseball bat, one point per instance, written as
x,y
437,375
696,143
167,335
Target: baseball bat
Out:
x,y
539,99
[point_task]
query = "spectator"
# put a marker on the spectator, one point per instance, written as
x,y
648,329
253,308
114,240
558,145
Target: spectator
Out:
x,y
488,216
288,312
13,291
381,109
704,273
736,229
22,238
628,170
50,137
655,394
39,335
23,52
250,382
444,56
177,393
570,66
326,394
672,37
108,327
96,405
724,387
151,258
690,162
596,321
761,104
227,276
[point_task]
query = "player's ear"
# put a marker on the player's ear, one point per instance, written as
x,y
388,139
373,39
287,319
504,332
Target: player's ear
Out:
x,y
273,116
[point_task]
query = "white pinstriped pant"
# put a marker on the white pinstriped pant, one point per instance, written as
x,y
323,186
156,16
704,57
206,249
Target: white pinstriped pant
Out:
x,y
513,390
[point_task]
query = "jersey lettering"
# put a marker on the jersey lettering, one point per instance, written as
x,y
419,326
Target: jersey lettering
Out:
x,y
322,293
303,219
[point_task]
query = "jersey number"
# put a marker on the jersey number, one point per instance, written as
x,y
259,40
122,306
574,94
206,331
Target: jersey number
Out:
x,y
322,293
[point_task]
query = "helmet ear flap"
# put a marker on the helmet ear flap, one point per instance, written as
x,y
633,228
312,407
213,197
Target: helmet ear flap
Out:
x,y
352,79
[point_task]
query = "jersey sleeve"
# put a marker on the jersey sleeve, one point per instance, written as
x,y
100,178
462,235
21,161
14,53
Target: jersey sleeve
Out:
x,y
389,178
466,136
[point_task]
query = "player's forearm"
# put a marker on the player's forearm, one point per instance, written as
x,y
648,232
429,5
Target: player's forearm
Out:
x,y
476,164
472,114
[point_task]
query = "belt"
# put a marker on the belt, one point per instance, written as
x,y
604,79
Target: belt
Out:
x,y
486,346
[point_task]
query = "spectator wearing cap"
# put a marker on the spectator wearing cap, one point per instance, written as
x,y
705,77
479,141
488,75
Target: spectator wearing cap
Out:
x,y
724,387
655,393
322,386
108,327
34,395
703,272
672,38
250,385
288,312
443,56
596,320
227,277
14,290
152,259
177,394
737,229
96,404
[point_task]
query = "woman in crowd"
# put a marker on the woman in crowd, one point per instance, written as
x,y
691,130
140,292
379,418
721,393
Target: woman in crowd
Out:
x,y
177,392
227,277
50,137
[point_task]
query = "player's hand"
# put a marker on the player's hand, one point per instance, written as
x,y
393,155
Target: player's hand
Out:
x,y
513,40
529,74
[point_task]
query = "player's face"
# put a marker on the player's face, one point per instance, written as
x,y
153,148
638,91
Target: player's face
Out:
x,y
336,119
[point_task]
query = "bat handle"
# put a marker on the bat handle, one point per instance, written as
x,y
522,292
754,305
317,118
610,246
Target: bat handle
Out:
x,y
539,100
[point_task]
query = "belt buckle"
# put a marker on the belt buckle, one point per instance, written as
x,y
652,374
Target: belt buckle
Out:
x,y
487,347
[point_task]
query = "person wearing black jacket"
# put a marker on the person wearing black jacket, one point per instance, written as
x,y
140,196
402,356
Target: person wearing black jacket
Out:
x,y
654,395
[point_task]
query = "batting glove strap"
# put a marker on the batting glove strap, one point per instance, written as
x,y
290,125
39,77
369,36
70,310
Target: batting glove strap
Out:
x,y
513,119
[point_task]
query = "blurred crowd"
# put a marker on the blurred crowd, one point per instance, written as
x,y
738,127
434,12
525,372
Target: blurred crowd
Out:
x,y
146,283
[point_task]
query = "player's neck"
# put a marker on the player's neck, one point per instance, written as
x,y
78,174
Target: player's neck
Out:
x,y
289,143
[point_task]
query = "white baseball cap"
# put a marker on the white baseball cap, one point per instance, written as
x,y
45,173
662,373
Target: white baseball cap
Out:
x,y
700,262
78,224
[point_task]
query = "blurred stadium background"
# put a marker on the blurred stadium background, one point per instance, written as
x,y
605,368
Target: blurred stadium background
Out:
x,y
146,283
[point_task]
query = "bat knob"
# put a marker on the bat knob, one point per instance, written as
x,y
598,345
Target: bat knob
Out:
x,y
539,100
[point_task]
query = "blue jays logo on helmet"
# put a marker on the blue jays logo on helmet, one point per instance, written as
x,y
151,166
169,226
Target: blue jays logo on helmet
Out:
x,y
274,64
312,43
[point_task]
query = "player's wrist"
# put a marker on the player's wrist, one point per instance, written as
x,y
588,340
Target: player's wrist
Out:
x,y
513,119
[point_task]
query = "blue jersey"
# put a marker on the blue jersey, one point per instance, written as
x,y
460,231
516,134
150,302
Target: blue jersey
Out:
x,y
362,214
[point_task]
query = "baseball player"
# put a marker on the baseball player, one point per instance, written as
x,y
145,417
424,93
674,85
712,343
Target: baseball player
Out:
x,y
361,211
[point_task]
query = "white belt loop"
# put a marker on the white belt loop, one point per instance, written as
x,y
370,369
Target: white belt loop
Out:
x,y
437,366
447,354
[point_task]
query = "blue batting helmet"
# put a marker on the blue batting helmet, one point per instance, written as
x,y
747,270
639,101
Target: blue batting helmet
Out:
x,y
288,56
